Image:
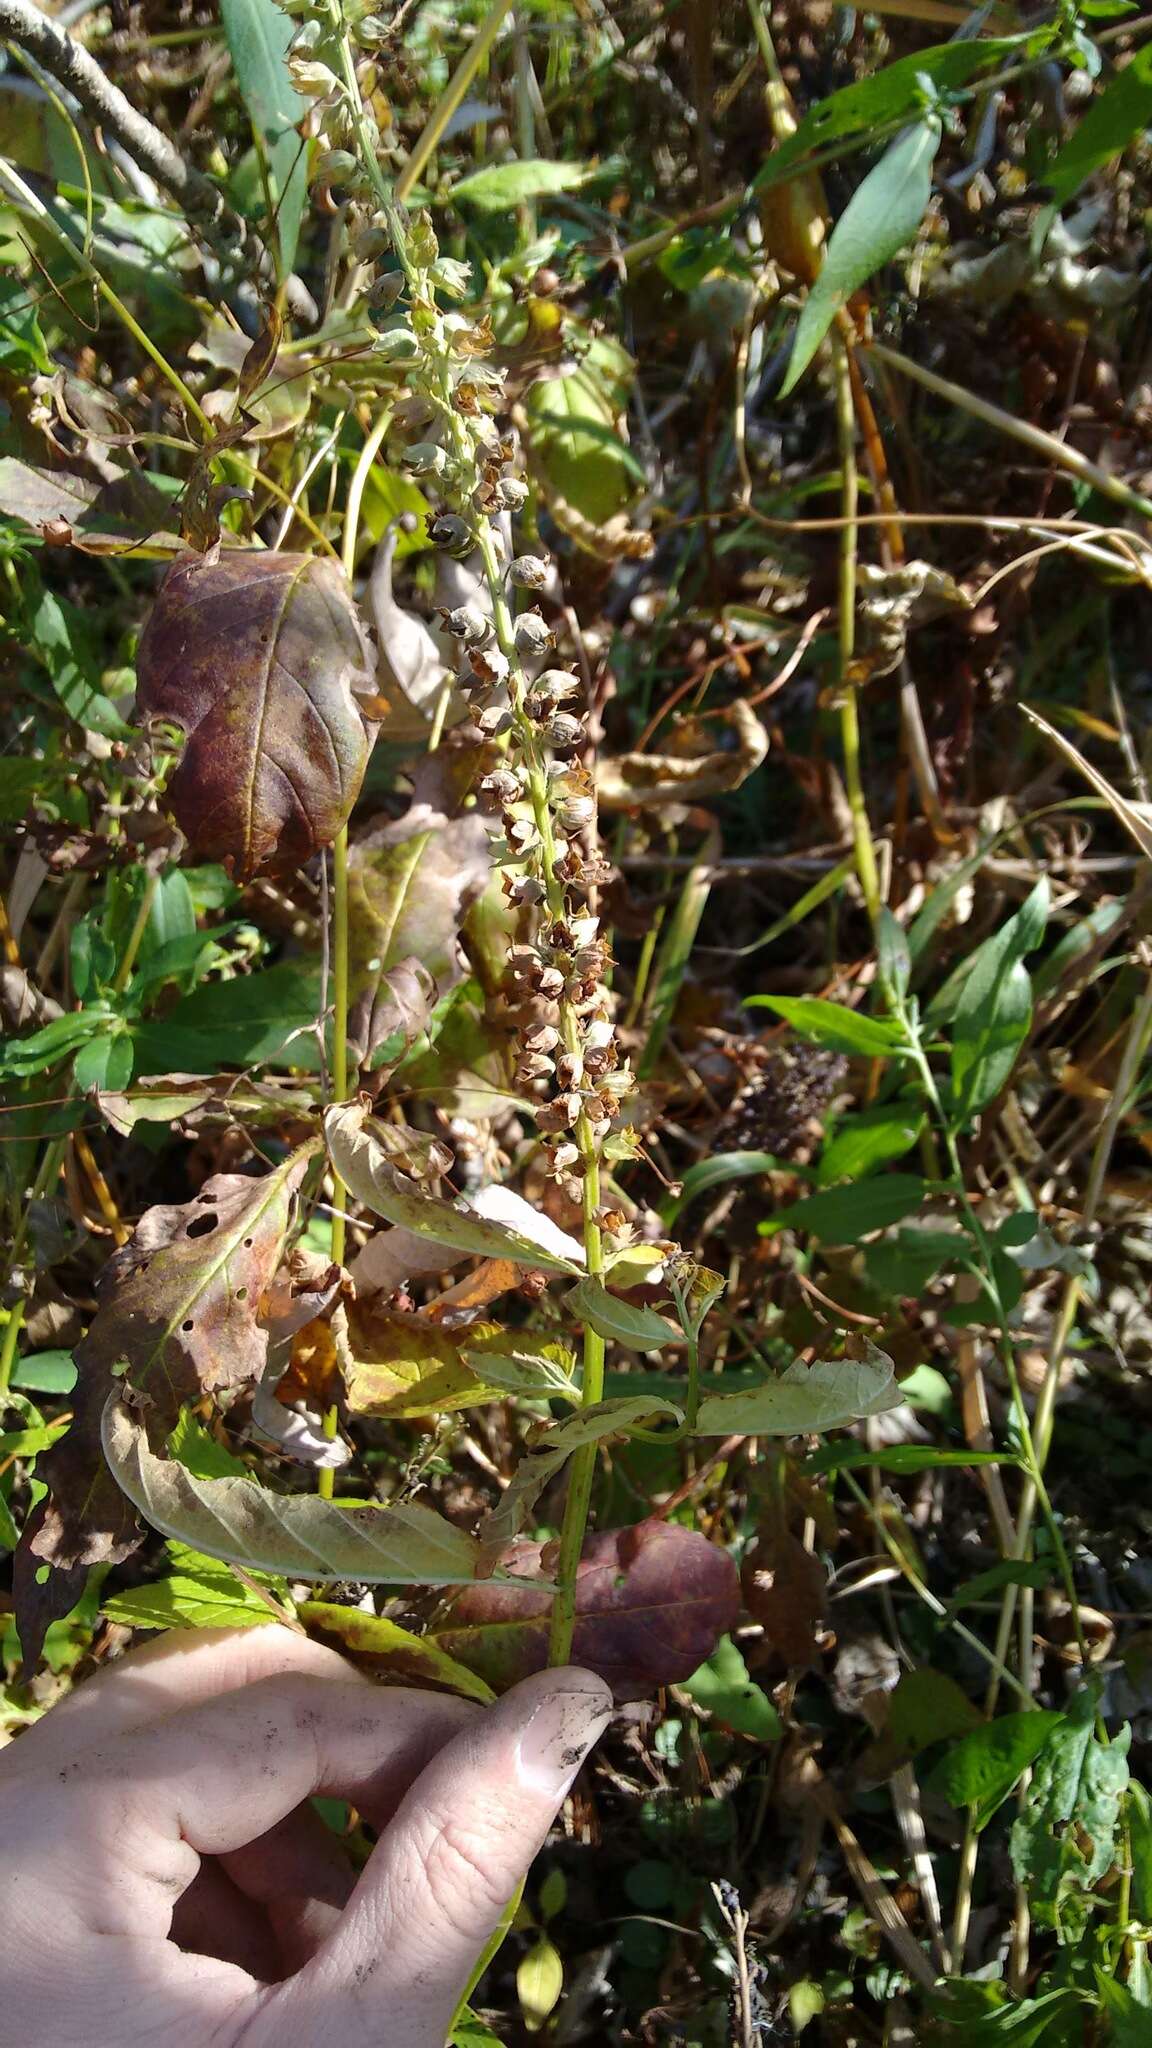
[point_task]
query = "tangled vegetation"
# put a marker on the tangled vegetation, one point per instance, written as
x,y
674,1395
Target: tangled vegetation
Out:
x,y
576,982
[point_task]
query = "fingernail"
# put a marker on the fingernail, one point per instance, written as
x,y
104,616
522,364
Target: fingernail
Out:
x,y
557,1738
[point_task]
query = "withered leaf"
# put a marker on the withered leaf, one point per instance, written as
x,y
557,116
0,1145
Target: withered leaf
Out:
x,y
410,885
628,780
177,1316
298,1536
390,1654
785,1590
402,1365
257,658
651,1604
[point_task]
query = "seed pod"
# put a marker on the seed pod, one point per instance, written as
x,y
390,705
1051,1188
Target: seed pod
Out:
x,y
554,686
575,813
564,731
533,634
529,571
490,665
257,658
534,1066
451,533
469,624
511,492
541,1038
559,1114
495,721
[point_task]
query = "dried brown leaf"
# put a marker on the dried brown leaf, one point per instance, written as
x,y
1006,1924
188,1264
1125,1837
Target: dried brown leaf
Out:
x,y
257,659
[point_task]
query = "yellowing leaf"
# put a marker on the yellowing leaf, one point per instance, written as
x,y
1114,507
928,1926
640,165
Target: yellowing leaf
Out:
x,y
539,1982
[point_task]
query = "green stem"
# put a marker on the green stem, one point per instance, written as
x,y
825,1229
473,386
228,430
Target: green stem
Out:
x,y
849,704
451,98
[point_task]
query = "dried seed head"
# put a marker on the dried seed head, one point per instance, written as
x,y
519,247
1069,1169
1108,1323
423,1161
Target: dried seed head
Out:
x,y
495,721
489,664
524,889
522,838
550,983
565,1156
533,634
503,787
469,624
534,1066
569,1069
554,686
559,1114
575,813
511,492
563,730
451,533
529,571
541,1037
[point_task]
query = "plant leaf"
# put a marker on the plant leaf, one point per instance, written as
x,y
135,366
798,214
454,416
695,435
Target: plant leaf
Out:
x,y
871,1138
723,1688
359,1152
540,1465
994,1012
881,217
403,1365
504,185
651,1602
843,1215
1064,1839
257,658
258,34
389,1652
298,1536
983,1768
834,1025
621,1322
177,1318
806,1400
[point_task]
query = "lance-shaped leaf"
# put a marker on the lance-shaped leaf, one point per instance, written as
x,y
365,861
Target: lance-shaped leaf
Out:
x,y
651,1604
536,1468
177,1317
806,1400
391,1653
299,1536
364,1158
410,886
1064,1838
258,659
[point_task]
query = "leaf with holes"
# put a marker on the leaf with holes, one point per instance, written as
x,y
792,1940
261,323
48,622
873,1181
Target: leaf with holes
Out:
x,y
298,1536
257,659
651,1604
177,1318
363,1157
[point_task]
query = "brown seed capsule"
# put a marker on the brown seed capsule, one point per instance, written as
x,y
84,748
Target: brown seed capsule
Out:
x,y
534,1066
575,813
489,664
529,571
559,1114
451,533
511,493
541,1037
569,1070
532,634
495,721
554,686
563,730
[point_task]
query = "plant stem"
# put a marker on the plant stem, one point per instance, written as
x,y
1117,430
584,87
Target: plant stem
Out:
x,y
849,708
326,1478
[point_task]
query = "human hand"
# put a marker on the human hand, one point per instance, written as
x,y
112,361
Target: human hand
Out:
x,y
165,1880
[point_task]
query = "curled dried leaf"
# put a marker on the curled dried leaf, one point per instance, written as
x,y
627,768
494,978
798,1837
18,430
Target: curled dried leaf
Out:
x,y
258,658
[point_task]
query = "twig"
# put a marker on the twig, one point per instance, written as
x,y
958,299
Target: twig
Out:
x,y
74,68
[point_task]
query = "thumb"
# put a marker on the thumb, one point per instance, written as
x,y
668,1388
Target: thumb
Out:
x,y
442,1874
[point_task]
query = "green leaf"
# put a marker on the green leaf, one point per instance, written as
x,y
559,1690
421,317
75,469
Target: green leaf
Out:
x,y
1121,114
722,1686
55,635
845,1457
21,782
890,96
1011,1571
1139,1817
259,33
103,1062
982,1769
872,1138
994,1013
845,1214
892,952
470,2032
359,1153
806,1400
834,1025
539,1466
1064,1840
881,217
621,1322
298,1536
906,1261
719,1170
575,433
42,1049
264,1019
502,185
45,1372
201,1600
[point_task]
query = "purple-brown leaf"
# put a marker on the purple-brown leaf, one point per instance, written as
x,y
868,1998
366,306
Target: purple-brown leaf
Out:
x,y
258,659
651,1604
